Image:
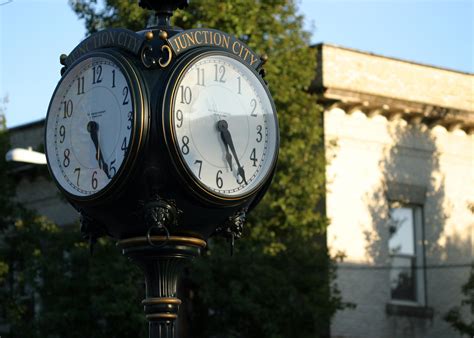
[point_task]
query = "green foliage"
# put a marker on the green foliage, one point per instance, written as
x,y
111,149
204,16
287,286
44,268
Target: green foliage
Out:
x,y
49,285
455,317
7,207
54,288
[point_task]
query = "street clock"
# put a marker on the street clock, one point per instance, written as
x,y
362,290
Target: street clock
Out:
x,y
162,124
160,139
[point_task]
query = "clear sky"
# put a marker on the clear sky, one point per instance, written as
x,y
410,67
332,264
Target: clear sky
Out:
x,y
33,33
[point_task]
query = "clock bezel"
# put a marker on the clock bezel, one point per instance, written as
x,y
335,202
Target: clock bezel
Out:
x,y
139,99
182,170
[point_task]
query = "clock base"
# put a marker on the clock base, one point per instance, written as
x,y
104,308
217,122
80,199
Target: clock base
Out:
x,y
161,259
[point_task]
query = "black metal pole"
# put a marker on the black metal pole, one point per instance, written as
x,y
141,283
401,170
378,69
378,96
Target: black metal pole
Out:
x,y
162,260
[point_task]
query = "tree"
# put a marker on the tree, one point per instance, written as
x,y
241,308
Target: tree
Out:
x,y
454,316
48,282
280,280
7,187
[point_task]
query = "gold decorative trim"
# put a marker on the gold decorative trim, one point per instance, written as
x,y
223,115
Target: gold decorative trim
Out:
x,y
126,243
170,57
158,316
163,300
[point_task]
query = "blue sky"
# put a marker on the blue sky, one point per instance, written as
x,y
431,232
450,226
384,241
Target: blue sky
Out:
x,y
33,33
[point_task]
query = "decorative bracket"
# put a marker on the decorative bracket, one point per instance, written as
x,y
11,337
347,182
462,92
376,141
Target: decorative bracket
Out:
x,y
91,230
233,228
159,215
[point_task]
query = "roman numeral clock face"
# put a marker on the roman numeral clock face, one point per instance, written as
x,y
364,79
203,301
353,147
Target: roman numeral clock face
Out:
x,y
90,126
224,126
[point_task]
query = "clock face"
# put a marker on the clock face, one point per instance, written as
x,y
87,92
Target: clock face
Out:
x,y
223,126
90,126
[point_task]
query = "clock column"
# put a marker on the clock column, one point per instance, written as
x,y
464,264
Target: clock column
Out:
x,y
162,259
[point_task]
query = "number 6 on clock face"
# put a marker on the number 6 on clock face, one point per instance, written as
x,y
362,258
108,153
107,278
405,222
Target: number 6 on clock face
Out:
x,y
223,127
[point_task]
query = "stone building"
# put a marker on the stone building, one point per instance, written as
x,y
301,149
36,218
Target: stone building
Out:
x,y
400,182
400,178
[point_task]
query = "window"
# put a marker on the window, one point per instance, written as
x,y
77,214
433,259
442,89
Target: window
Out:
x,y
406,252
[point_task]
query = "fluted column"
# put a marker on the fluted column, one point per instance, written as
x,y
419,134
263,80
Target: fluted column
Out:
x,y
162,260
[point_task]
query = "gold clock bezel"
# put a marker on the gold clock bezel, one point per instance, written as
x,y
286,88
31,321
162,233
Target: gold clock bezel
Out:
x,y
139,129
182,170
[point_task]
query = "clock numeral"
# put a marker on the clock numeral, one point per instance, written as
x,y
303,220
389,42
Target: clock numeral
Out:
x,y
113,170
239,80
94,182
130,119
186,94
185,147
253,157
219,71
96,74
200,79
200,167
62,133
68,107
113,78
179,117
66,160
80,85
219,181
124,146
259,133
78,171
253,105
125,95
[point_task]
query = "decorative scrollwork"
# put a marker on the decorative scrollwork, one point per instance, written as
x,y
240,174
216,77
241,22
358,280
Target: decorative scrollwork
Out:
x,y
147,56
149,61
164,64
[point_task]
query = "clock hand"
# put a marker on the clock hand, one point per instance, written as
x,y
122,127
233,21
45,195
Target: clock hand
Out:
x,y
93,128
222,126
228,156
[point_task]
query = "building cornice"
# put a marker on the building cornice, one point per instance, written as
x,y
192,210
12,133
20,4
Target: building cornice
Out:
x,y
375,85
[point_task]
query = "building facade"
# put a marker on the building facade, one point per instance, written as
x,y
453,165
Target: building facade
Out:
x,y
400,182
400,190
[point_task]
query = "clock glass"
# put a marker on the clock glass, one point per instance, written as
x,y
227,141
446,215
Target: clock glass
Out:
x,y
223,126
90,125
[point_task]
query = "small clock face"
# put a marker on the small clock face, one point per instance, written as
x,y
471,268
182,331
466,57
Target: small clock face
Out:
x,y
90,126
224,126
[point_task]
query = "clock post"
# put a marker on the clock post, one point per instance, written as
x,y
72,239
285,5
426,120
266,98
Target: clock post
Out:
x,y
161,257
161,139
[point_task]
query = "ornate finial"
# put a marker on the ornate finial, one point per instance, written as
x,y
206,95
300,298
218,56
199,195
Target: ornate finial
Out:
x,y
164,9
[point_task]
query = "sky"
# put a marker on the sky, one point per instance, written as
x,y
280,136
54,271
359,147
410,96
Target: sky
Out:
x,y
34,33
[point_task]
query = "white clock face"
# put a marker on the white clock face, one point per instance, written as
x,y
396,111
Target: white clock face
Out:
x,y
89,126
224,126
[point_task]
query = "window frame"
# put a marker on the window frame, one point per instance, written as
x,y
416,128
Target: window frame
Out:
x,y
418,256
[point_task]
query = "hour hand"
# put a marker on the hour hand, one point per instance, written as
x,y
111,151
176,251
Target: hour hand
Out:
x,y
93,128
228,156
222,127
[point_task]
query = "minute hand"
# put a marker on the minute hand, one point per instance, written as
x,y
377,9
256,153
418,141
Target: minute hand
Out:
x,y
228,138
